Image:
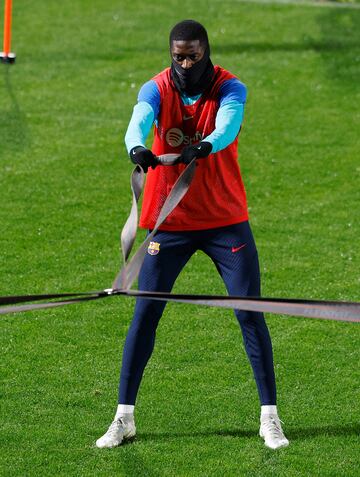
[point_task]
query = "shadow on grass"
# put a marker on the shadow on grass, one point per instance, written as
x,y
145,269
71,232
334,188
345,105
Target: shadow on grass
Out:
x,y
330,45
295,434
12,122
128,52
156,436
345,26
134,463
335,431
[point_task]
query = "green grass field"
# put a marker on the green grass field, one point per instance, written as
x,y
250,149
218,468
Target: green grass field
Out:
x,y
64,175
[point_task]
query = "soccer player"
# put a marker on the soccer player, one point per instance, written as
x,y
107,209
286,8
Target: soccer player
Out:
x,y
197,109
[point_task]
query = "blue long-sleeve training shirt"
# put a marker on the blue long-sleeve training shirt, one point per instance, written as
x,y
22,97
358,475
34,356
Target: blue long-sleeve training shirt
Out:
x,y
232,98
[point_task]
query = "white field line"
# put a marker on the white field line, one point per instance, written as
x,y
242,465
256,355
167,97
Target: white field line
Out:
x,y
307,3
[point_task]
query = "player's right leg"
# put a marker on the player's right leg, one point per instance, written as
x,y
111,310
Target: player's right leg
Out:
x,y
166,257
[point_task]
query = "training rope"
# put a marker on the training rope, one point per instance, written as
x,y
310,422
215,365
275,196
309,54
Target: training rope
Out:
x,y
331,310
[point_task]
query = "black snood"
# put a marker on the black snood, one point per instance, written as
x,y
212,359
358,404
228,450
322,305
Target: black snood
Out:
x,y
194,80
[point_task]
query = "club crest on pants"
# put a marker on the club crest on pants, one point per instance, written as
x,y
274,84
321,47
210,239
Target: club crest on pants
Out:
x,y
153,248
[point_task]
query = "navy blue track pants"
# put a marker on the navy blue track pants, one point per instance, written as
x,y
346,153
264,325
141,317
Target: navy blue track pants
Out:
x,y
233,251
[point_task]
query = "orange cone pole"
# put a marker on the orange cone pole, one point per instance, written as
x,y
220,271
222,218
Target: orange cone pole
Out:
x,y
6,56
7,27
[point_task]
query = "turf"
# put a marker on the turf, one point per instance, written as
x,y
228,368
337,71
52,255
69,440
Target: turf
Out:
x,y
64,108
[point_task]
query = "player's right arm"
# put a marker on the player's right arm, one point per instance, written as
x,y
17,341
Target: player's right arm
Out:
x,y
144,114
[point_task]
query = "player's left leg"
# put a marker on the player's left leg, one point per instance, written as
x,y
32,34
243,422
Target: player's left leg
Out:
x,y
234,253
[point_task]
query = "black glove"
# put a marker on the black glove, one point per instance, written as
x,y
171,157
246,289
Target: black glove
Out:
x,y
144,157
202,149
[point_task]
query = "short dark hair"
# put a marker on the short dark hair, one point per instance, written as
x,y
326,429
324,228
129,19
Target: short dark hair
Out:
x,y
189,30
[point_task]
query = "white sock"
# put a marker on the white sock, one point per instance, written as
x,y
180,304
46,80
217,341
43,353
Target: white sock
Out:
x,y
124,410
267,410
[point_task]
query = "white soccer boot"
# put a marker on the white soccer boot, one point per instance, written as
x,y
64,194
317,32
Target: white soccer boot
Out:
x,y
271,432
119,431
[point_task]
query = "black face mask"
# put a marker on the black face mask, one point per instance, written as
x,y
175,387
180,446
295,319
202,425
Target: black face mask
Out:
x,y
194,80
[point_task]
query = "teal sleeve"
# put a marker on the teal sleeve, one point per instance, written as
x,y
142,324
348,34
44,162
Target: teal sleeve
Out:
x,y
140,124
227,125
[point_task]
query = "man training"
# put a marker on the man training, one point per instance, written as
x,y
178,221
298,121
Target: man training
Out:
x,y
197,110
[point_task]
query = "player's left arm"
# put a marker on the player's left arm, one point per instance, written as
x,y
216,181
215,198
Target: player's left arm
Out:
x,y
232,98
229,118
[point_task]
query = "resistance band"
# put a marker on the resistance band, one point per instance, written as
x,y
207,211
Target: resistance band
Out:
x,y
332,310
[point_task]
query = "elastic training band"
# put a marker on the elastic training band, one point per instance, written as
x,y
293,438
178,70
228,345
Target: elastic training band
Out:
x,y
331,310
